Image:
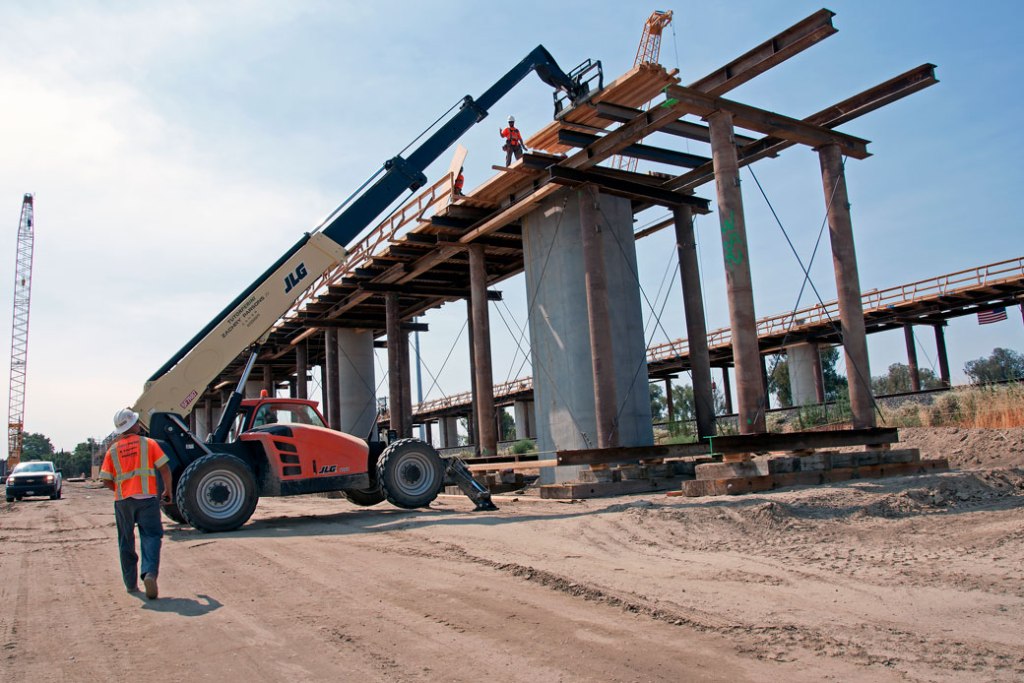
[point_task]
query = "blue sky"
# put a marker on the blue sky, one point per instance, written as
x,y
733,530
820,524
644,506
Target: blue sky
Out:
x,y
176,148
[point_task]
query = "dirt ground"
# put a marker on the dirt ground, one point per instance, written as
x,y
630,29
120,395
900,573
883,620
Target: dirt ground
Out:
x,y
905,579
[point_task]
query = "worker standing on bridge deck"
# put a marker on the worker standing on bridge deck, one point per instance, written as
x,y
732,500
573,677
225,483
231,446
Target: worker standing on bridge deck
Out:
x,y
460,180
129,470
513,141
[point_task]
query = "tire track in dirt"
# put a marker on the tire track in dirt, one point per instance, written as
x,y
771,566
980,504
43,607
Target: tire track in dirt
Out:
x,y
778,642
245,579
15,626
400,614
87,602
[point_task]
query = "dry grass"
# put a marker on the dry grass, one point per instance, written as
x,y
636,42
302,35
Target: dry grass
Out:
x,y
994,407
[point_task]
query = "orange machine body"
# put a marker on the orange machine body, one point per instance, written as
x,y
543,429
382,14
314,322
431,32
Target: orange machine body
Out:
x,y
302,455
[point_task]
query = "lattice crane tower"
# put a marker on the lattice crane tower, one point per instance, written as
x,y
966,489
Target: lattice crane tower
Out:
x,y
19,333
647,53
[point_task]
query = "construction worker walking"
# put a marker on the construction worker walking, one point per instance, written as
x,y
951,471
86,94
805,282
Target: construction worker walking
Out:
x,y
129,470
513,141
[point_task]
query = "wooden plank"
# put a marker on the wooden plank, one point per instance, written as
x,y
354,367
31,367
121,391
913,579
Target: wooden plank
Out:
x,y
515,466
751,484
597,489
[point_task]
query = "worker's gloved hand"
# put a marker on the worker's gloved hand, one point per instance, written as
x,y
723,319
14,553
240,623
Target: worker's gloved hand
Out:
x,y
166,497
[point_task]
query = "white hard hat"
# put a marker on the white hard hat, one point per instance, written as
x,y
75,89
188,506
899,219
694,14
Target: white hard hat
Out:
x,y
511,119
124,420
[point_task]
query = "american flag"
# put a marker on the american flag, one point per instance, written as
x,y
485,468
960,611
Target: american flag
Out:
x,y
993,316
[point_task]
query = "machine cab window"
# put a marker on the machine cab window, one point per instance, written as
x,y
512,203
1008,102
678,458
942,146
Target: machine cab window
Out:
x,y
271,414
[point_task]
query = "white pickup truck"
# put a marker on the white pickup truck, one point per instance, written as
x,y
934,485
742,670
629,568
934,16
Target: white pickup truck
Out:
x,y
34,478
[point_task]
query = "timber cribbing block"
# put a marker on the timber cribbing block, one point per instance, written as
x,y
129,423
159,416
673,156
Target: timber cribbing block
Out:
x,y
814,462
598,489
902,463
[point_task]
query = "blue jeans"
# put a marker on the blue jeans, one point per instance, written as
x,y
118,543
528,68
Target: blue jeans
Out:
x,y
144,513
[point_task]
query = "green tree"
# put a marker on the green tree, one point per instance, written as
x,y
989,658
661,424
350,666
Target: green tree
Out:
x,y
508,426
73,464
837,388
1002,365
36,447
657,402
683,402
778,380
897,380
90,450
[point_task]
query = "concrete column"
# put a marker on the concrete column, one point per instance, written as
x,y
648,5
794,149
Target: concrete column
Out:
x,y
484,391
332,412
915,373
396,400
357,401
696,326
525,420
727,390
739,288
940,346
474,412
819,375
301,370
449,431
596,286
560,330
253,388
802,379
429,425
851,309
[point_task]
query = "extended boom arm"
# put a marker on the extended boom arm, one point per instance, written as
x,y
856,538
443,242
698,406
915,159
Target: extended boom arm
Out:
x,y
175,387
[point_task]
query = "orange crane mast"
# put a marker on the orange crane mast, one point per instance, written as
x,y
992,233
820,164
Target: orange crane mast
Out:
x,y
19,333
647,53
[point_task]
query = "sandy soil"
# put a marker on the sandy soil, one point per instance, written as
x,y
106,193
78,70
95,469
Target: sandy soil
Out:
x,y
907,579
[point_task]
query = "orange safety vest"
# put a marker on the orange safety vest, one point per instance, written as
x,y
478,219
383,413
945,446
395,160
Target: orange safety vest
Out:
x,y
515,138
131,463
459,182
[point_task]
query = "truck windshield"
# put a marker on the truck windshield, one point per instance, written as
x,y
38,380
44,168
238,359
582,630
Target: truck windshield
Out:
x,y
286,414
33,467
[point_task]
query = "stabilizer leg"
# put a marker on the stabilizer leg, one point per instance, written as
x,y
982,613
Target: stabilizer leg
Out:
x,y
477,493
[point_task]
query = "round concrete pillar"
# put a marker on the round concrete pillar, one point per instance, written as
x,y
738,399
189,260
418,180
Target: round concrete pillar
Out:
x,y
356,390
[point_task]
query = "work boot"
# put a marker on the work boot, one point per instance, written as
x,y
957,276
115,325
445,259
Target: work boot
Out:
x,y
149,581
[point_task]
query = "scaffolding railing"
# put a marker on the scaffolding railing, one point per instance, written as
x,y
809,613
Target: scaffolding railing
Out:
x,y
387,232
873,301
991,275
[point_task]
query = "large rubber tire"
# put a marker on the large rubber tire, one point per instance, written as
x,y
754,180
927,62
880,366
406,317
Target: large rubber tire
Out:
x,y
365,497
217,492
173,513
411,473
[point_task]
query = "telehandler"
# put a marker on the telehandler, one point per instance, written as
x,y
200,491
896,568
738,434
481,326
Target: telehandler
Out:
x,y
219,481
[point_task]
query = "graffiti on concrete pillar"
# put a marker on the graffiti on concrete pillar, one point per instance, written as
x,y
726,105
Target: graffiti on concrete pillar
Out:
x,y
732,246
